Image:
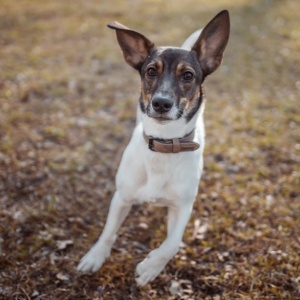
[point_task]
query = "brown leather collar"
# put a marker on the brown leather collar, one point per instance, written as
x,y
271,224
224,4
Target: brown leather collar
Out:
x,y
175,145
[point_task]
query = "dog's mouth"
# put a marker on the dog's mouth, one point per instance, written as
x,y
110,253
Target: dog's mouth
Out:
x,y
161,119
165,118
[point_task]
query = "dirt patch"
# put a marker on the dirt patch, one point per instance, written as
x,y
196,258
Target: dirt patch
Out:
x,y
67,109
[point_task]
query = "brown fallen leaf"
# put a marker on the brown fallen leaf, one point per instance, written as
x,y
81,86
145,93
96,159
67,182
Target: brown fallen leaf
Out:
x,y
175,288
62,276
61,245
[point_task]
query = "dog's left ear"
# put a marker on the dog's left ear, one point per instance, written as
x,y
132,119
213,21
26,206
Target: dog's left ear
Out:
x,y
212,42
135,47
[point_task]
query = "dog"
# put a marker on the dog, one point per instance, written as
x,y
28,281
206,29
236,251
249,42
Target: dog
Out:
x,y
163,161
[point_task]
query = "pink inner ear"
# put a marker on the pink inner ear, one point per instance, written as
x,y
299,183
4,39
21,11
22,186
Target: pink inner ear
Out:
x,y
202,49
133,60
135,46
212,63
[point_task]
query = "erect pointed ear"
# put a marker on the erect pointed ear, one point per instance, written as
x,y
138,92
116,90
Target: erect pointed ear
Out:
x,y
136,47
212,42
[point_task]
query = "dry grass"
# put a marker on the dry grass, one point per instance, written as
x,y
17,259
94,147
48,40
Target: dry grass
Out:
x,y
67,109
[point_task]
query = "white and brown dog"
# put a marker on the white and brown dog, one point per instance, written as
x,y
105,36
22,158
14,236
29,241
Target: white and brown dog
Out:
x,y
163,161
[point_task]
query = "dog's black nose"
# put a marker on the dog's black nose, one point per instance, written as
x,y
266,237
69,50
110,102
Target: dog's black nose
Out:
x,y
162,105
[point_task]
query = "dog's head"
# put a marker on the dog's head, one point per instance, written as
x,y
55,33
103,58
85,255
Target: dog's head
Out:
x,y
172,77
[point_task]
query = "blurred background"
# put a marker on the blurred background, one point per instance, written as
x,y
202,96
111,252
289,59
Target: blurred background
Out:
x,y
67,110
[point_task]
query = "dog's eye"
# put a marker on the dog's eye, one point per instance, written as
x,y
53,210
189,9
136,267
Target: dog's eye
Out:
x,y
151,72
188,76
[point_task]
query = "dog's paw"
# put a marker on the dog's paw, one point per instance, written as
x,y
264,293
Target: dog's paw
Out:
x,y
148,269
93,260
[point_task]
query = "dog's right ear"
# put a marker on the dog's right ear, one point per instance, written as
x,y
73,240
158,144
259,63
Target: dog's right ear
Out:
x,y
135,47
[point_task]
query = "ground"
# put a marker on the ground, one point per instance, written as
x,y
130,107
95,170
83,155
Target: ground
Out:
x,y
67,109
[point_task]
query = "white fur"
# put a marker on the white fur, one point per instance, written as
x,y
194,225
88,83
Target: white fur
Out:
x,y
165,179
191,40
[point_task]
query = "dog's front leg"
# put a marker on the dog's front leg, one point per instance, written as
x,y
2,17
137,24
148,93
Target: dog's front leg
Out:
x,y
94,259
157,259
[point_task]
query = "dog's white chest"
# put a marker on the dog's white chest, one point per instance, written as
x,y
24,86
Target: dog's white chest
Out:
x,y
157,166
157,178
162,179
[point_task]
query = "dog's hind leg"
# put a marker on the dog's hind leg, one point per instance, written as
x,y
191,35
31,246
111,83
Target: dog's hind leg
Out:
x,y
157,259
94,259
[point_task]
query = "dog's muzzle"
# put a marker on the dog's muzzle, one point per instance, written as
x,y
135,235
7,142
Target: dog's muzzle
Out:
x,y
175,145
